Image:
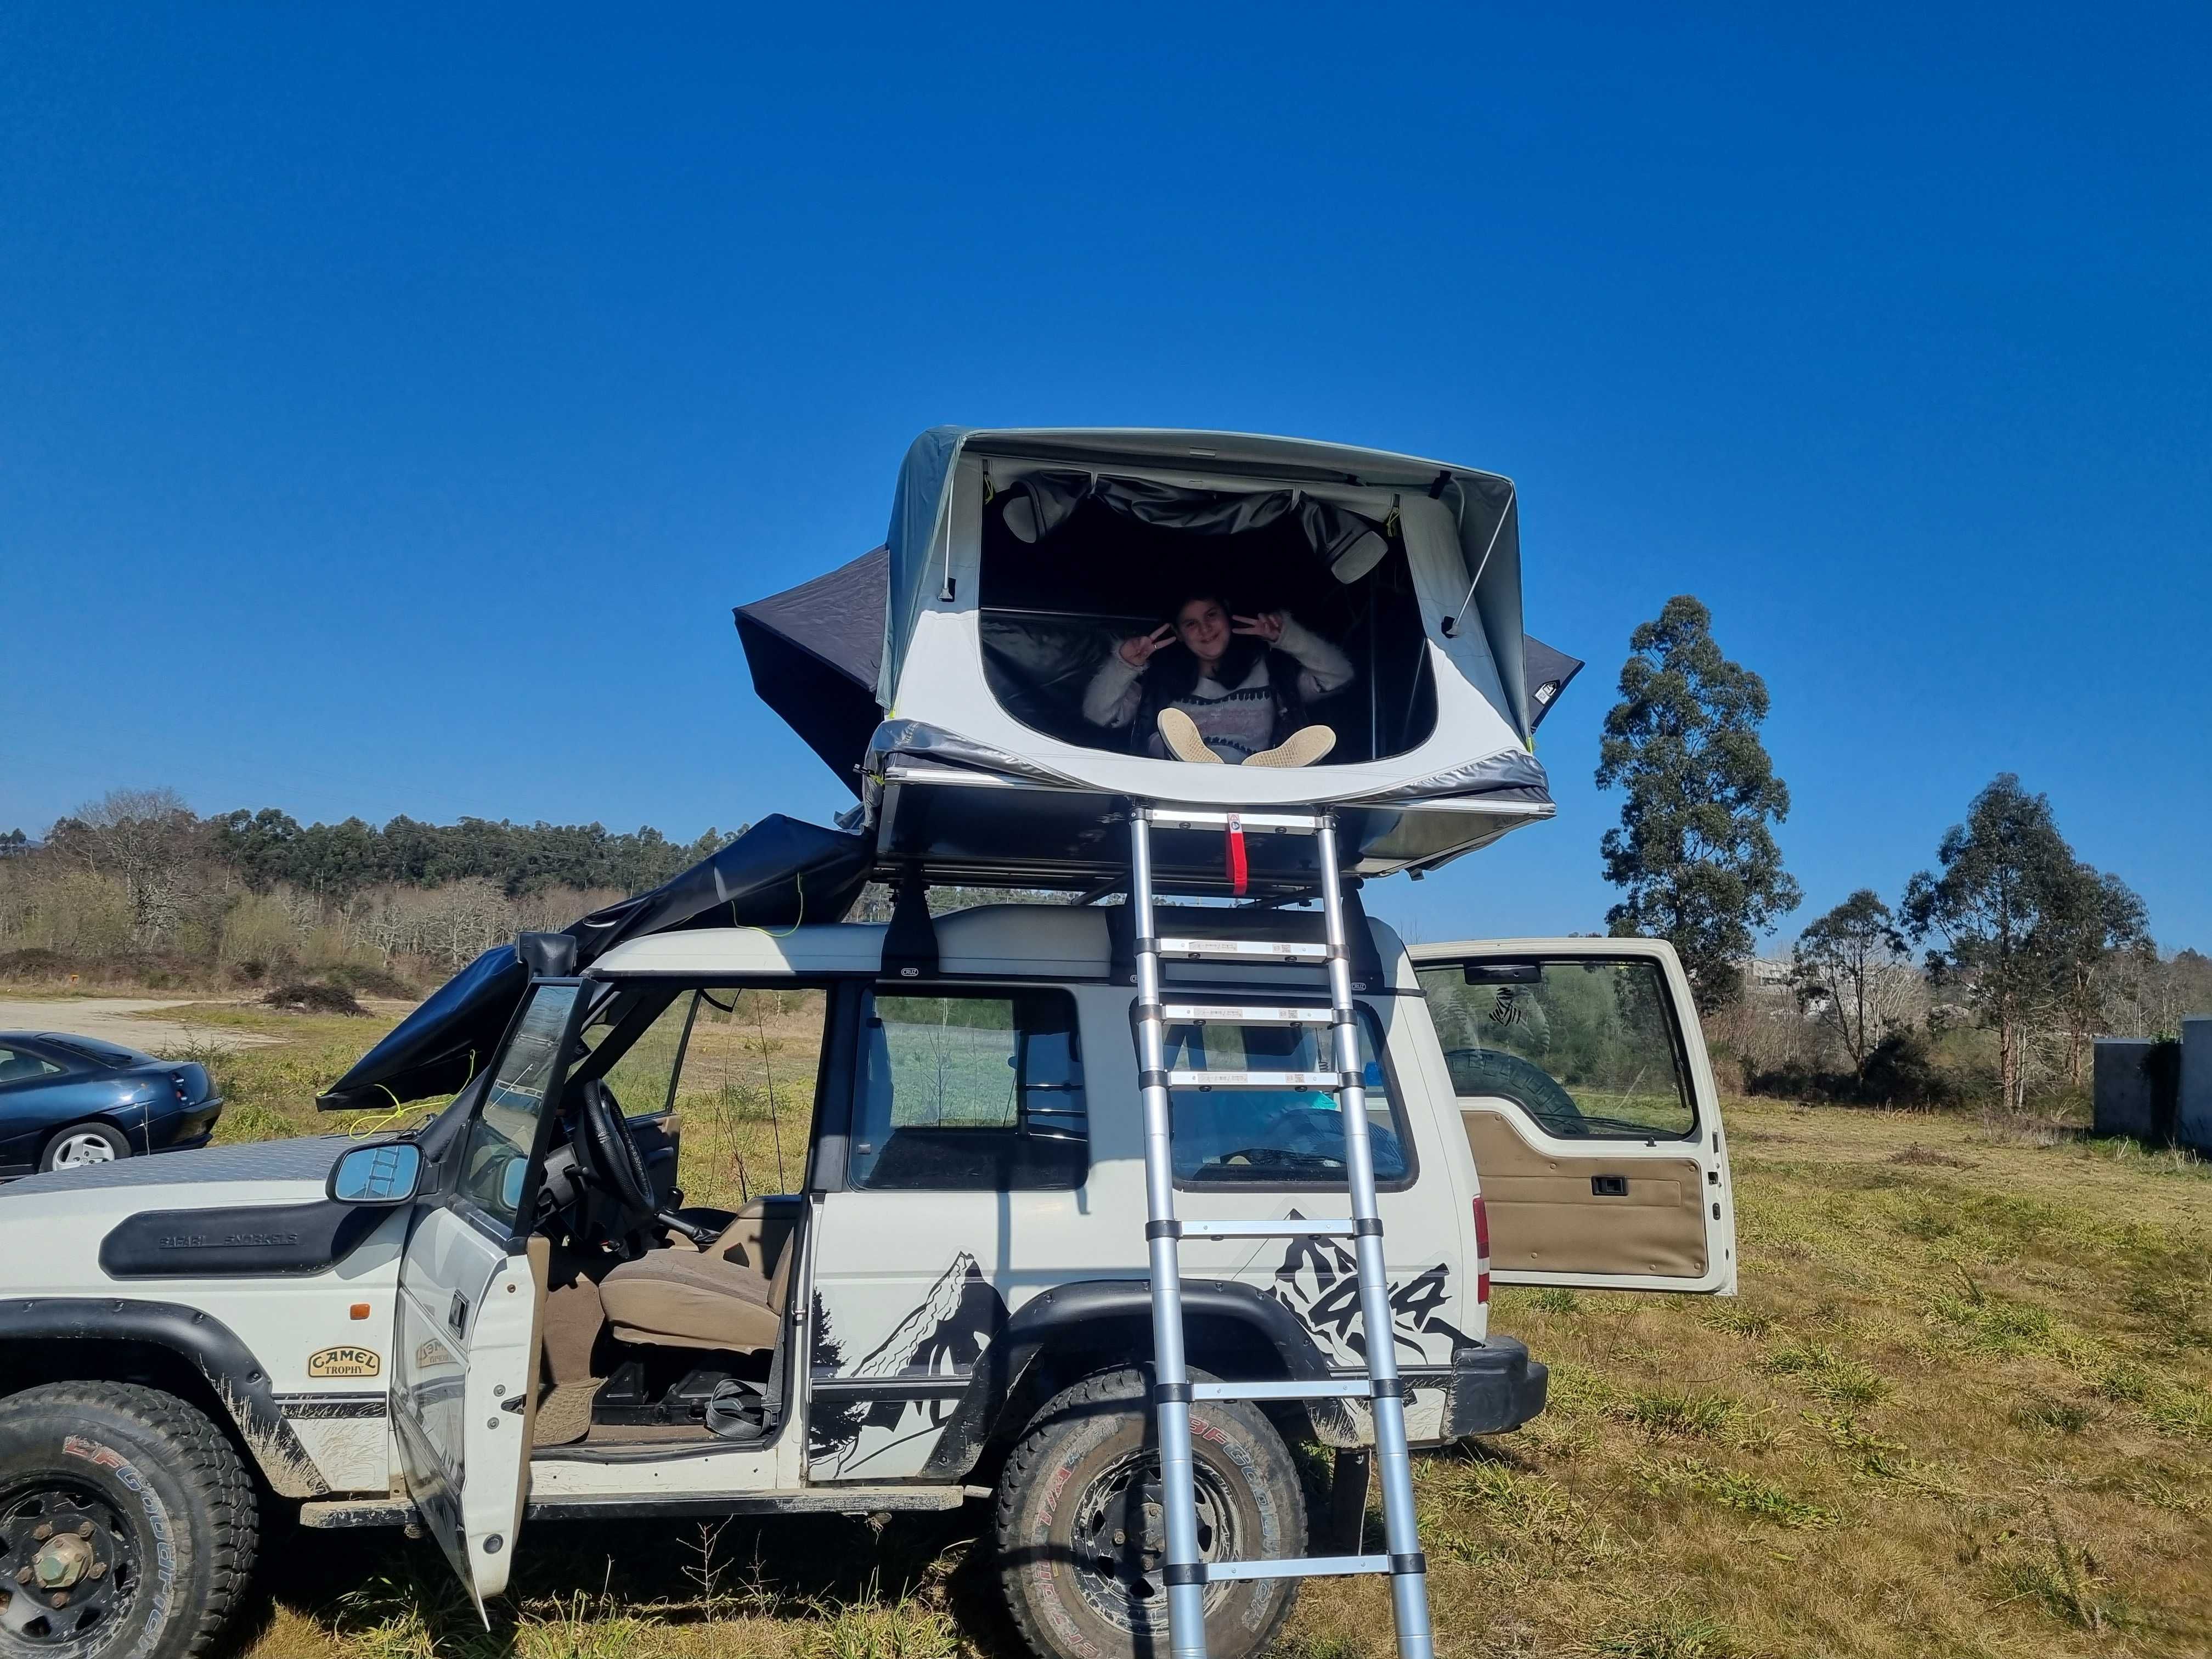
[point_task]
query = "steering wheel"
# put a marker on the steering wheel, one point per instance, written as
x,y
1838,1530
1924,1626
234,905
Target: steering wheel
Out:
x,y
611,1148
612,1152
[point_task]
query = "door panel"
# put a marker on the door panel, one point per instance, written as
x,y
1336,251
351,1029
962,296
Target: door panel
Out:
x,y
1585,1212
1589,1105
470,1290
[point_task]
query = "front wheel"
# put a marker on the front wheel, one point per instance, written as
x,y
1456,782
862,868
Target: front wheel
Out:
x,y
127,1524
1079,1530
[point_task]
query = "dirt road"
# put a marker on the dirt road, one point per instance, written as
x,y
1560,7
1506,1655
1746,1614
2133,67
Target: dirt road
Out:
x,y
118,1019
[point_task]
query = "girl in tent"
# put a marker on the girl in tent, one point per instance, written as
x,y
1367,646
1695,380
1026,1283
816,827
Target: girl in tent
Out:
x,y
1213,686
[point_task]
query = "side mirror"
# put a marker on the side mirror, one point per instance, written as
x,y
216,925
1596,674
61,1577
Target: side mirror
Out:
x,y
385,1172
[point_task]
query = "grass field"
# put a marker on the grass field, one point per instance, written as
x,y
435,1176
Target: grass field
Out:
x,y
1963,1406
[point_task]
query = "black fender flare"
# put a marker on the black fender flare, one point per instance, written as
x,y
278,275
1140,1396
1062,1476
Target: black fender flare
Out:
x,y
237,1379
1068,1308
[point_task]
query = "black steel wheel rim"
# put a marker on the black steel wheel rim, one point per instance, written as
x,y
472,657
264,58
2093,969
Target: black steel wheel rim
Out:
x,y
69,1565
1119,1537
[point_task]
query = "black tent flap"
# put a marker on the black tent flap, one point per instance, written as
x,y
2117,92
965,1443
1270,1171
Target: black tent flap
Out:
x,y
814,651
1549,672
777,874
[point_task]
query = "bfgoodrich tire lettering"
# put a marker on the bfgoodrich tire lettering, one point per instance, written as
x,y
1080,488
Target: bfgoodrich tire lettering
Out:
x,y
160,1503
1077,1523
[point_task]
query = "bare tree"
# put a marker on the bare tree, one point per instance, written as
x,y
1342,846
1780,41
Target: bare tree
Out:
x,y
147,840
1850,972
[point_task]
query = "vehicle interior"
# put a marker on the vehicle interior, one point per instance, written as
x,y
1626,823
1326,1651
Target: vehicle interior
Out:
x,y
662,1321
1055,602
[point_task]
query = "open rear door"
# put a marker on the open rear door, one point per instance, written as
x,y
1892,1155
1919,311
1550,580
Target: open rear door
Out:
x,y
465,1366
1588,1100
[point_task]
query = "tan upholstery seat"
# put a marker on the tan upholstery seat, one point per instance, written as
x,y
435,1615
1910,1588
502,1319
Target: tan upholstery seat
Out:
x,y
729,1296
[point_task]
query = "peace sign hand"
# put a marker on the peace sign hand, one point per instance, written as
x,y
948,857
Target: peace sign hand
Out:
x,y
1267,625
1137,650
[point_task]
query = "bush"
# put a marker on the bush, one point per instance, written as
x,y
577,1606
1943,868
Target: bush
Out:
x,y
367,980
1901,1071
313,999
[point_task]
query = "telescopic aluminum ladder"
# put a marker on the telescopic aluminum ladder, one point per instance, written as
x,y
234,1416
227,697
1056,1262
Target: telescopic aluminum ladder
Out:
x,y
1186,1572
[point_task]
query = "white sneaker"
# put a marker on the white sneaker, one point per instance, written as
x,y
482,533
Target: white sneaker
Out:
x,y
1301,748
1180,734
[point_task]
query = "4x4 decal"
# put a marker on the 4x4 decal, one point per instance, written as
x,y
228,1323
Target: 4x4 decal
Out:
x,y
1317,1281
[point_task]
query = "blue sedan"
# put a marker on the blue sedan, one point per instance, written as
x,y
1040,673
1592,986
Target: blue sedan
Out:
x,y
66,1101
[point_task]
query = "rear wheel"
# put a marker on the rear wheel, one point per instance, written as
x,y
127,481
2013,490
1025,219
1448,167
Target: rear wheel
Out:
x,y
81,1144
1080,1530
127,1524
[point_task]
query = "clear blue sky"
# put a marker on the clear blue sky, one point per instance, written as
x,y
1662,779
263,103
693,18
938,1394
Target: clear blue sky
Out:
x,y
392,406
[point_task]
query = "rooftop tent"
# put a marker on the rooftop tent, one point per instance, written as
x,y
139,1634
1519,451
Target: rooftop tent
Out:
x,y
1016,558
777,874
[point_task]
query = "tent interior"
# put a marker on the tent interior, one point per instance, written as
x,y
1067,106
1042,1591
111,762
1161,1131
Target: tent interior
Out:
x,y
1055,602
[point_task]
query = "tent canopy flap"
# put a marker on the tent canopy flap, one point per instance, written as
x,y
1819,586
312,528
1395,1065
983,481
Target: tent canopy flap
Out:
x,y
779,873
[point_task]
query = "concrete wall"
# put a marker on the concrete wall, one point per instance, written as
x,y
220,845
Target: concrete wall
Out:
x,y
2122,1087
2193,1122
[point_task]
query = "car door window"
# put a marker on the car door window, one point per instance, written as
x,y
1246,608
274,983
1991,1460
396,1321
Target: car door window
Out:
x,y
970,1091
503,1135
21,1066
1585,1045
1276,1137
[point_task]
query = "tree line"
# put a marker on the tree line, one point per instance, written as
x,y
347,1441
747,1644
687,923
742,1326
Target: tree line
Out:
x,y
2009,930
139,878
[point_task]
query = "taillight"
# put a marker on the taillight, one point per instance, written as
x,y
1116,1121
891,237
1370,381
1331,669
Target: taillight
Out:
x,y
1481,1251
177,1082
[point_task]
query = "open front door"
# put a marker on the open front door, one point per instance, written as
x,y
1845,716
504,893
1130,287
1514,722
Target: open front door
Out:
x,y
1583,1084
464,1366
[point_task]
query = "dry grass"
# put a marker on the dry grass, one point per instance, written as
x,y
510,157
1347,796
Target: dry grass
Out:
x,y
1964,1406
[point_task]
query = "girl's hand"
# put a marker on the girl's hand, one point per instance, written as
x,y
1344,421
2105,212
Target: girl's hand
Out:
x,y
1137,650
1267,625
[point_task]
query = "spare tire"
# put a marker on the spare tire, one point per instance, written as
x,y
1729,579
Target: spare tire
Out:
x,y
1527,1085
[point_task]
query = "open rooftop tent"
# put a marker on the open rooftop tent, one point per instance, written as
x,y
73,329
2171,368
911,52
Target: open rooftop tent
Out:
x,y
941,676
779,873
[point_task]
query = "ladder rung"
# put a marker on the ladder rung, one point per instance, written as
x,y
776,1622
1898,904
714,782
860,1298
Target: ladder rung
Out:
x,y
1356,1388
1293,1228
1310,1566
1199,818
1245,949
1255,1079
1198,1013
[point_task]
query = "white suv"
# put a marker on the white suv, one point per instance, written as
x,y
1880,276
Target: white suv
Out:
x,y
511,1314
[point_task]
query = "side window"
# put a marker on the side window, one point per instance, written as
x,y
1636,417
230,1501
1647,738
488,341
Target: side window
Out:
x,y
495,1157
1585,1045
21,1066
1276,1137
970,1091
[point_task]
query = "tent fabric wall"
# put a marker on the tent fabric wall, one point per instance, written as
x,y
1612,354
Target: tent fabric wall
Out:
x,y
816,653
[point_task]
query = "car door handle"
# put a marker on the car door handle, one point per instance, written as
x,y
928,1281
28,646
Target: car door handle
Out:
x,y
1614,1186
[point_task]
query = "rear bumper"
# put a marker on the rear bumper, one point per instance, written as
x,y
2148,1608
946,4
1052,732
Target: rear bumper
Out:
x,y
186,1131
1495,1387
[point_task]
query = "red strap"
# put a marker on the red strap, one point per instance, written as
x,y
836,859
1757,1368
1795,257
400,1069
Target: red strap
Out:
x,y
1238,869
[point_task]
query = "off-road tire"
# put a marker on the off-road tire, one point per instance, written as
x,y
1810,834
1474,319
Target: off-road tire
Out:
x,y
1081,1438
184,1509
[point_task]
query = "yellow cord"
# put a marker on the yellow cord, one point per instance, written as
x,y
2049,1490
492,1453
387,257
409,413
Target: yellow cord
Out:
x,y
798,881
359,1127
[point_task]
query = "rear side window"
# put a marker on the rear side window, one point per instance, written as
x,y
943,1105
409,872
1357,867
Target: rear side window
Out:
x,y
1286,1137
99,1053
970,1091
20,1066
1585,1045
